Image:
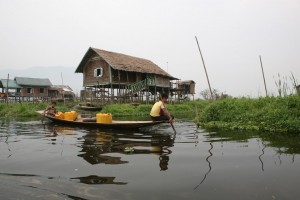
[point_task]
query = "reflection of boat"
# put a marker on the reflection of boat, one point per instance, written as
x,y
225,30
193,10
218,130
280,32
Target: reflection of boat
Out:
x,y
99,147
116,124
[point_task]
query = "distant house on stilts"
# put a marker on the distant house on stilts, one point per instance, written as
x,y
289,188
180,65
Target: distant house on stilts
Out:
x,y
115,77
185,88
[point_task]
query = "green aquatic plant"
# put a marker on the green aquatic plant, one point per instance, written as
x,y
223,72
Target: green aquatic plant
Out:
x,y
264,114
128,150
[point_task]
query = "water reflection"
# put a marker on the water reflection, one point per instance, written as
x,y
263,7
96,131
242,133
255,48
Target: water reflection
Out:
x,y
282,144
98,180
97,145
262,153
209,165
80,163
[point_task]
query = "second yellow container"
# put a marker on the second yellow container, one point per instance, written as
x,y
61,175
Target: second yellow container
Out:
x,y
104,118
71,116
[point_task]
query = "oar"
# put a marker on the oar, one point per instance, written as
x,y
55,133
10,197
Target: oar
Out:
x,y
43,117
173,127
170,116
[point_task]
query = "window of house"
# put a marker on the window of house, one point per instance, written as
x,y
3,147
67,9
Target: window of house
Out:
x,y
42,90
29,90
98,72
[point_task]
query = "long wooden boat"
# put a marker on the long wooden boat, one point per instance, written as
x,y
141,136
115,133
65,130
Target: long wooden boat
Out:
x,y
116,124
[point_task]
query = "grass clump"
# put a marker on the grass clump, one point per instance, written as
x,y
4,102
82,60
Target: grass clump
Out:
x,y
264,114
25,109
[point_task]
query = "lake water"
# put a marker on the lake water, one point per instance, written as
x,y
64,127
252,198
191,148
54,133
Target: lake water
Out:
x,y
47,161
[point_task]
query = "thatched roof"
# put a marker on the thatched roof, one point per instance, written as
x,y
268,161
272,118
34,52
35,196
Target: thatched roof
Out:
x,y
123,62
186,82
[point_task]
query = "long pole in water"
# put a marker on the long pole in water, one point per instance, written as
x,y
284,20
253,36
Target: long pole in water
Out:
x,y
262,69
63,88
204,69
7,89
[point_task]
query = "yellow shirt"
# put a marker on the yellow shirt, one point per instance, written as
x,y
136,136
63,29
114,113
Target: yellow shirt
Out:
x,y
156,109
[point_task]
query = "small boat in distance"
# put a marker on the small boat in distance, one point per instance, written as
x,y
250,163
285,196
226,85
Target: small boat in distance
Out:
x,y
91,122
88,107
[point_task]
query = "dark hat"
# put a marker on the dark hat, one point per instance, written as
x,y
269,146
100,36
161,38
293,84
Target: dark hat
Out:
x,y
164,95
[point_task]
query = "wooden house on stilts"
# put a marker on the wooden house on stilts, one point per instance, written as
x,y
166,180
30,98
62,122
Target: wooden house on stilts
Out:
x,y
114,77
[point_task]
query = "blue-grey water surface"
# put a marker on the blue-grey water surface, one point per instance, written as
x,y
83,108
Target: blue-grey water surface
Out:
x,y
47,161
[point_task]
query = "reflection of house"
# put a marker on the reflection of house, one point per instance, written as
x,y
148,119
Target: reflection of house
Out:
x,y
118,76
61,92
185,88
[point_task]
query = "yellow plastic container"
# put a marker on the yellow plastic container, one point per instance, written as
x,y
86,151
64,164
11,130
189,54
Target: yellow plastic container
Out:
x,y
71,116
100,118
104,118
60,115
109,118
74,115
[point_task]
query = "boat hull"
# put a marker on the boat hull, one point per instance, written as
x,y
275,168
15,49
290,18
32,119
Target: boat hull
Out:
x,y
116,124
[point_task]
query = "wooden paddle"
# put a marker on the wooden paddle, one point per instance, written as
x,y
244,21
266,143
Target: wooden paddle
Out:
x,y
43,117
168,114
173,127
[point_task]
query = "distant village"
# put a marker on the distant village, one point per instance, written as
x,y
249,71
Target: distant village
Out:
x,y
108,77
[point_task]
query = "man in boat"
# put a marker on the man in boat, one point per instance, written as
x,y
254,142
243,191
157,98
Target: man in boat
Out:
x,y
159,111
51,109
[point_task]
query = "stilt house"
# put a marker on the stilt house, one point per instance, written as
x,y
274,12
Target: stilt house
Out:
x,y
185,88
61,92
111,76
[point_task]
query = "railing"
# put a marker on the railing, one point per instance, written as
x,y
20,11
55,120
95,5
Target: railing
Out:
x,y
141,85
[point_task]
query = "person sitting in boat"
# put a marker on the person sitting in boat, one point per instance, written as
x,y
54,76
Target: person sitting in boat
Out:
x,y
51,109
159,111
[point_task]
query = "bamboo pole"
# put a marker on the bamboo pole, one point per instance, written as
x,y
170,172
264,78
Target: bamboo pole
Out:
x,y
7,89
262,69
204,69
62,85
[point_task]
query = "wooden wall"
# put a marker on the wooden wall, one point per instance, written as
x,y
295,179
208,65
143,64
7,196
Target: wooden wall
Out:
x,y
35,91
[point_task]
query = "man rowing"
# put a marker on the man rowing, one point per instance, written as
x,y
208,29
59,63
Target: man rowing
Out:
x,y
159,111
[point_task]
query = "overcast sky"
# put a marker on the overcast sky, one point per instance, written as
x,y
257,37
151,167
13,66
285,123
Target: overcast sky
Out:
x,y
231,34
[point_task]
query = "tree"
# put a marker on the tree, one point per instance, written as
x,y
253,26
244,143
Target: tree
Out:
x,y
216,94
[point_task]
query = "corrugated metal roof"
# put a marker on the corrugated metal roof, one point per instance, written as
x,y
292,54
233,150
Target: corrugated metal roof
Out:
x,y
33,81
124,62
11,84
61,87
